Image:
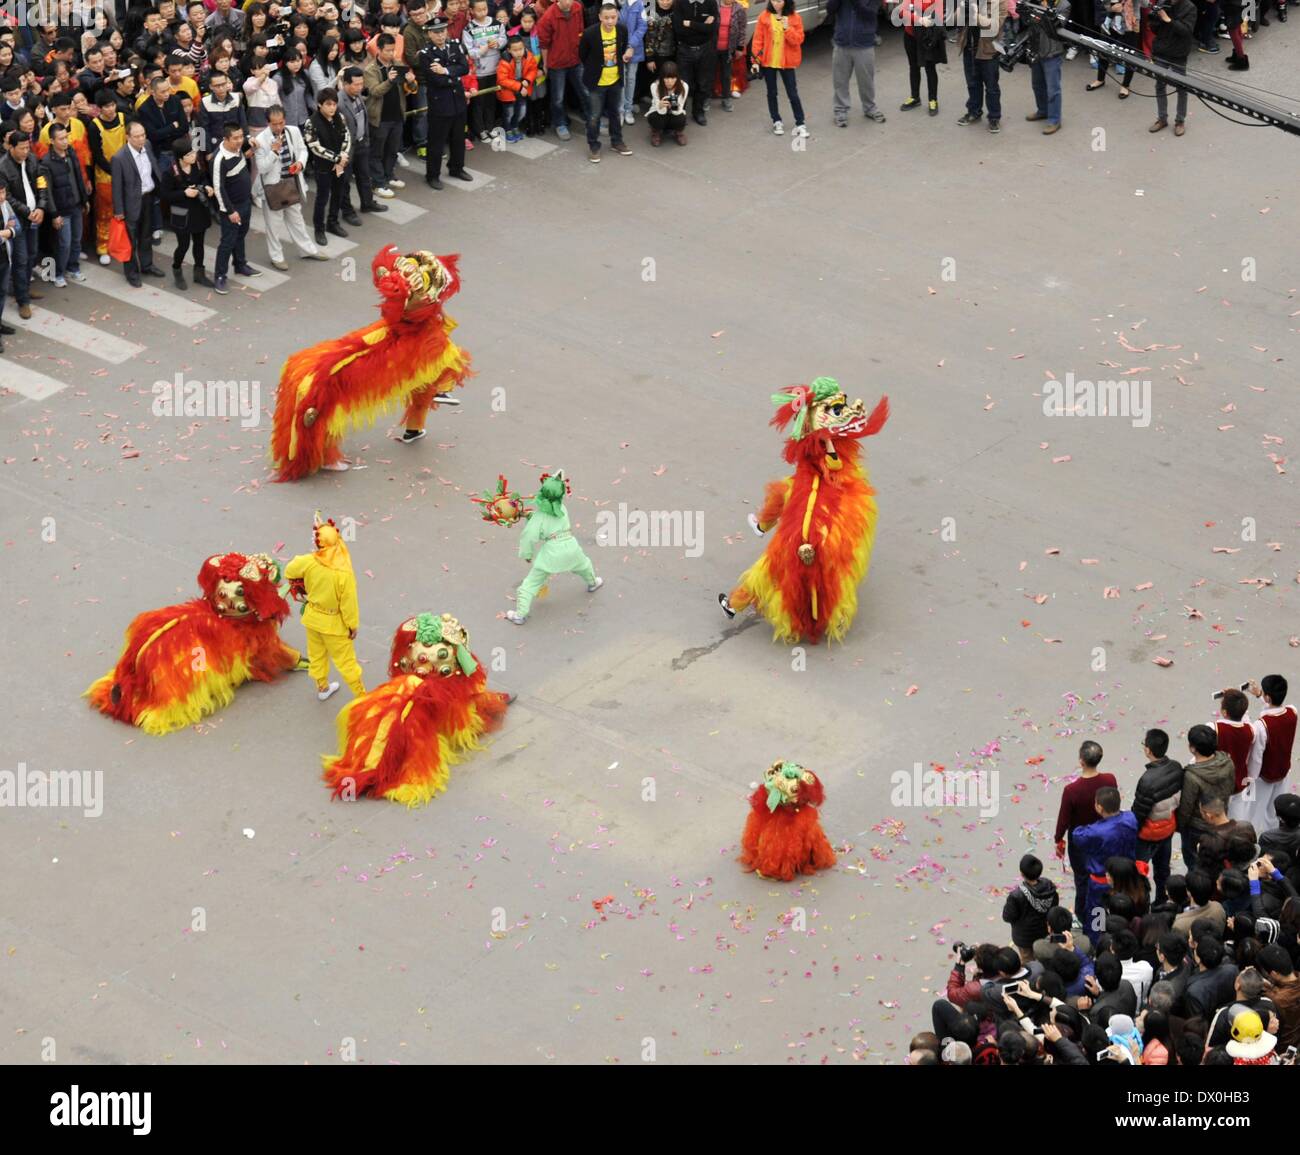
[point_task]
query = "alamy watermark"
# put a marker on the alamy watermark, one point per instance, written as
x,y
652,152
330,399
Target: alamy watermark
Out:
x,y
967,789
650,529
1079,398
181,398
75,789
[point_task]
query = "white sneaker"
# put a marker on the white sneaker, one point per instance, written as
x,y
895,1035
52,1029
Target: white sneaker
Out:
x,y
778,129
402,162
591,589
105,259
60,283
337,466
1072,52
800,130
516,617
753,524
326,695
77,275
736,94
157,235
629,118
395,183
385,192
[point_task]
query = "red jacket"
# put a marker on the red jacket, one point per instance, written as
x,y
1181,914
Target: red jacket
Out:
x,y
960,992
506,82
559,35
761,46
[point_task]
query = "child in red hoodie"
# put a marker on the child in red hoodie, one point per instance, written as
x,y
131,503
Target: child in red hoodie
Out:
x,y
516,77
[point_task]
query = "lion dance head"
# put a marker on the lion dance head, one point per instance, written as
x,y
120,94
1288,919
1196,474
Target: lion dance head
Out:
x,y
411,283
824,424
429,645
789,784
239,586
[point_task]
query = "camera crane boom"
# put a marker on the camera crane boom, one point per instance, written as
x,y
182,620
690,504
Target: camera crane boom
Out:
x,y
1203,87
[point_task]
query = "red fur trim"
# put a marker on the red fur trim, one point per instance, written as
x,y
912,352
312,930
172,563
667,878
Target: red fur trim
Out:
x,y
262,595
785,842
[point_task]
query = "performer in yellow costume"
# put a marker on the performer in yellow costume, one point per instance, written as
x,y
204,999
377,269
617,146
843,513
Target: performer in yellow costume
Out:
x,y
324,579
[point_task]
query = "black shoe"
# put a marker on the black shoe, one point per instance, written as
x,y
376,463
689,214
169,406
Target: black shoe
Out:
x,y
412,435
726,606
201,278
970,118
7,330
178,279
320,238
352,219
134,282
247,271
376,208
433,182
337,230
701,119
154,271
460,174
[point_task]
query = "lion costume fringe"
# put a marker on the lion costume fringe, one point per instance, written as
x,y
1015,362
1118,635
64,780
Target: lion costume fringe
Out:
x,y
783,834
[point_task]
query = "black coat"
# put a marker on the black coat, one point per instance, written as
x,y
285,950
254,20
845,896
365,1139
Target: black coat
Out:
x,y
446,92
592,56
189,215
66,182
1173,40
128,198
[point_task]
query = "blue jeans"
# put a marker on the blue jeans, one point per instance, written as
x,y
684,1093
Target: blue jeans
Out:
x,y
513,113
601,102
791,91
68,257
982,84
629,86
1046,76
24,257
556,80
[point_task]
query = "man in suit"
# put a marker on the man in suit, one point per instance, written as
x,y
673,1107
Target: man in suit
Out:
x,y
136,181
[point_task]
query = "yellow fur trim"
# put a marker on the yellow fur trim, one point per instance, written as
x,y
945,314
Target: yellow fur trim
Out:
x,y
363,416
303,386
212,692
158,633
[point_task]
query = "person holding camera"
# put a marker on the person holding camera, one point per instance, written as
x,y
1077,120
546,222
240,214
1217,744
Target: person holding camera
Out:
x,y
667,113
385,80
187,193
232,187
1173,22
281,187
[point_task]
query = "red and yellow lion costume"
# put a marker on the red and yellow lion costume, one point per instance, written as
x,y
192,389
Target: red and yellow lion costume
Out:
x,y
783,833
183,662
806,582
406,358
400,740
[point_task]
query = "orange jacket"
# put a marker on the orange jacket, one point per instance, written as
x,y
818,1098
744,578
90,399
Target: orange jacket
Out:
x,y
507,84
761,45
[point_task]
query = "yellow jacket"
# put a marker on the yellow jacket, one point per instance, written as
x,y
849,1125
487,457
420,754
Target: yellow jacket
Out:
x,y
331,595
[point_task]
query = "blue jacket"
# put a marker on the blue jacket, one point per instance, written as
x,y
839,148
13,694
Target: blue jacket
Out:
x,y
1108,838
633,19
856,22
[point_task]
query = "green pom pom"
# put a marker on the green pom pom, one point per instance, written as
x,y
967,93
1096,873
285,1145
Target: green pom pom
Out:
x,y
428,629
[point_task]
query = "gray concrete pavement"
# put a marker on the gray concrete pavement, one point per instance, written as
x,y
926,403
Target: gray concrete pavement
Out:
x,y
371,923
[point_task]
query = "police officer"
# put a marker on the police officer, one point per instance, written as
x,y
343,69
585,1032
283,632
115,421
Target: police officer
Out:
x,y
441,65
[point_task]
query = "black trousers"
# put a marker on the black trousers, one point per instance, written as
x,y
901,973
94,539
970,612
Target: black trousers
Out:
x,y
483,109
191,242
140,231
445,132
695,65
329,194
358,170
383,154
914,67
666,122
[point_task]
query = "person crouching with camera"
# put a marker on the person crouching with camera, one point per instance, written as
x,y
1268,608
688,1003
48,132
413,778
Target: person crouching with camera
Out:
x,y
186,192
668,94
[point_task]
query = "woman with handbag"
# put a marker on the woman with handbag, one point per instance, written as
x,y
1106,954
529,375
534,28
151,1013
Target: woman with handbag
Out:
x,y
185,192
923,38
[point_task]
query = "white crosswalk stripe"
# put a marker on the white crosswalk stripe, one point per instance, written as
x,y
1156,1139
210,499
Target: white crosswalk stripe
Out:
x,y
27,382
84,338
170,306
270,278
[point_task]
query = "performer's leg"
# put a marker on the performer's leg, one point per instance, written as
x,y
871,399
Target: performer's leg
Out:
x,y
417,408
586,571
333,454
536,579
345,661
318,662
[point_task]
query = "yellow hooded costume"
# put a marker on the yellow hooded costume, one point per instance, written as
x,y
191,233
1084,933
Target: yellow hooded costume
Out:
x,y
331,617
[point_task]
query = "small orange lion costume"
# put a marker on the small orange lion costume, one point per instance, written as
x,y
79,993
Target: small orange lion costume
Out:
x,y
183,662
400,740
406,358
783,833
824,514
